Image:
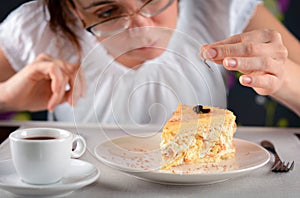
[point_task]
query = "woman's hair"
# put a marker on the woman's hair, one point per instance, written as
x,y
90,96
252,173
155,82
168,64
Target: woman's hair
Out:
x,y
62,20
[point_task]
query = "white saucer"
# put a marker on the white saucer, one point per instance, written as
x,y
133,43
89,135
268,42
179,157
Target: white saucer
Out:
x,y
79,175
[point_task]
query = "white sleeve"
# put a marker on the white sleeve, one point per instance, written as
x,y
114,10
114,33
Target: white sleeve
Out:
x,y
213,20
25,34
240,14
18,34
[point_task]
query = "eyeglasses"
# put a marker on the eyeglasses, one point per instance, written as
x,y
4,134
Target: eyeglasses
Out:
x,y
119,19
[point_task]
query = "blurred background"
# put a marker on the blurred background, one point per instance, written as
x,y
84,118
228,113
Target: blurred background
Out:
x,y
251,109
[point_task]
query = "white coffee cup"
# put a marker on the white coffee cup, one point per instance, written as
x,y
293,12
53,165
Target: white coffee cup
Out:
x,y
43,155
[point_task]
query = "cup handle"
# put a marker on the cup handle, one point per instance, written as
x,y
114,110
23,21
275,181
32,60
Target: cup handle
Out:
x,y
80,146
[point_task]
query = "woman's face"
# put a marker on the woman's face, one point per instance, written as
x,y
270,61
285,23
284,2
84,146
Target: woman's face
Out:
x,y
131,30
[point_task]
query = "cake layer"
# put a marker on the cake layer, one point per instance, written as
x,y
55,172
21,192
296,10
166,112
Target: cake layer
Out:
x,y
196,134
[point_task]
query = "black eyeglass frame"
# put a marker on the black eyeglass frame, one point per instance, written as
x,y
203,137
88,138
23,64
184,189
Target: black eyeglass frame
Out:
x,y
90,28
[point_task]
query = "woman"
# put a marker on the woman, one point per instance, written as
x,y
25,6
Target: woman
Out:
x,y
117,70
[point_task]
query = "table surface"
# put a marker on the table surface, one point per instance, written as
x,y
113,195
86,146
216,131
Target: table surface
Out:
x,y
113,183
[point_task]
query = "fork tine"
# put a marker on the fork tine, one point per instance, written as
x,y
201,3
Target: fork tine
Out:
x,y
279,167
286,166
283,167
275,166
292,166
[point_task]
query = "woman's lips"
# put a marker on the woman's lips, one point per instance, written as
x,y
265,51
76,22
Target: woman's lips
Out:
x,y
152,45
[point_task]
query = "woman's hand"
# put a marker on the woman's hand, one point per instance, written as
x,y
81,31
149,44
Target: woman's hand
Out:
x,y
43,84
259,55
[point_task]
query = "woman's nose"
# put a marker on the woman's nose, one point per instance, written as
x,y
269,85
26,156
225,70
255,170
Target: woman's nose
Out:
x,y
138,20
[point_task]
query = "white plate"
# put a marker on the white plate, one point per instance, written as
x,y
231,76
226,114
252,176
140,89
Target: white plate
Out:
x,y
80,174
140,157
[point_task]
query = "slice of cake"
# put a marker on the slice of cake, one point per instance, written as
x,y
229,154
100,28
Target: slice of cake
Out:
x,y
196,134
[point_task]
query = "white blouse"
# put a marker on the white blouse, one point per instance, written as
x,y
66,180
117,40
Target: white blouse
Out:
x,y
149,95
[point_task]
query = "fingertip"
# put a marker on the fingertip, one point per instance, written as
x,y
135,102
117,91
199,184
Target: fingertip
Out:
x,y
209,54
230,62
50,108
245,80
202,50
53,102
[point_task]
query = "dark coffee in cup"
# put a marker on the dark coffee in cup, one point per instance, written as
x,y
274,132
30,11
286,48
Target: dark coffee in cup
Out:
x,y
40,138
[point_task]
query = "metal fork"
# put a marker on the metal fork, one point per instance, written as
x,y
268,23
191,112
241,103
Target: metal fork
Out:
x,y
279,165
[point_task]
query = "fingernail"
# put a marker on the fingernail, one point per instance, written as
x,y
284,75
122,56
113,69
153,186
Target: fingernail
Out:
x,y
246,79
230,62
209,54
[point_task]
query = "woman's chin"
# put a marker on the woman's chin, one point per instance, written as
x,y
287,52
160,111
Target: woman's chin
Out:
x,y
145,53
135,58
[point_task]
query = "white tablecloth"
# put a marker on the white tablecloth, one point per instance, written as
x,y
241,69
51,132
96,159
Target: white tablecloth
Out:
x,y
112,183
